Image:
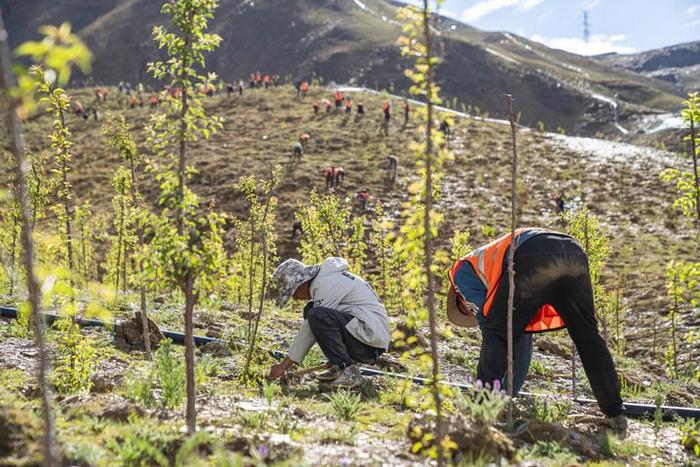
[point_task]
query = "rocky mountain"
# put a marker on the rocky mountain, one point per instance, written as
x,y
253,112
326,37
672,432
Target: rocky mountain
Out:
x,y
354,42
677,64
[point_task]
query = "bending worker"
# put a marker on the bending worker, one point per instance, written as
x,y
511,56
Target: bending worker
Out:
x,y
345,318
552,291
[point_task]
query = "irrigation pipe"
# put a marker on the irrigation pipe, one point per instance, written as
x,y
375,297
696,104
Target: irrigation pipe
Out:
x,y
634,409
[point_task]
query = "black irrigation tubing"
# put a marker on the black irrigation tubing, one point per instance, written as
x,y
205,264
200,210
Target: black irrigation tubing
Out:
x,y
633,409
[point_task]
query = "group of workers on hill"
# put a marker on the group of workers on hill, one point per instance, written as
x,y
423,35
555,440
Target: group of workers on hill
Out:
x,y
345,104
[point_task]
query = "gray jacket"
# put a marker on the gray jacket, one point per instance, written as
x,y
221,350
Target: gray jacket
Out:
x,y
335,287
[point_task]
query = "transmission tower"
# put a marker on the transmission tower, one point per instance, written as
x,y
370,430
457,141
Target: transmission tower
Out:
x,y
586,29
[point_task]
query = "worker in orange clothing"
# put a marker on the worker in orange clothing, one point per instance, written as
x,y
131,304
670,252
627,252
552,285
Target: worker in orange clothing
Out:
x,y
338,176
338,96
348,105
552,291
362,198
304,88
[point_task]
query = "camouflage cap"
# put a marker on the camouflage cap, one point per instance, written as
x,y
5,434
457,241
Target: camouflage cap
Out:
x,y
288,276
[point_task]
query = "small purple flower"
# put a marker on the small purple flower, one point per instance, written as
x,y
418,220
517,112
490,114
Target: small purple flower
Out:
x,y
496,385
479,385
263,451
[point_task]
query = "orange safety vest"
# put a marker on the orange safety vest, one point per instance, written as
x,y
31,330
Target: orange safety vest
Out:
x,y
487,263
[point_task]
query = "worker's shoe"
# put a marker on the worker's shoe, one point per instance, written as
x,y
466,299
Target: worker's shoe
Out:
x,y
349,378
330,374
618,425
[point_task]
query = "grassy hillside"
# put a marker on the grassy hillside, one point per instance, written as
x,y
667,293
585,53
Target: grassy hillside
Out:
x,y
298,424
354,42
618,182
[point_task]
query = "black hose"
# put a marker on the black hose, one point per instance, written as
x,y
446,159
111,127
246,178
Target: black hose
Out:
x,y
633,409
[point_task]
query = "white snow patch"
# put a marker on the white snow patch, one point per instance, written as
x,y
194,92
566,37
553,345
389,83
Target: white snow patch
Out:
x,y
667,122
616,151
503,56
360,4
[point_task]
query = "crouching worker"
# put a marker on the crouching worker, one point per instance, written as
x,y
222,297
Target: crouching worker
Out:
x,y
552,291
345,318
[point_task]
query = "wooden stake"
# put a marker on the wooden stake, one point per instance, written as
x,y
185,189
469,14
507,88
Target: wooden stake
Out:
x,y
511,256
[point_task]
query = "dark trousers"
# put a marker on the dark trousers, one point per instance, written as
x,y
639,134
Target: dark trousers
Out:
x,y
549,269
340,347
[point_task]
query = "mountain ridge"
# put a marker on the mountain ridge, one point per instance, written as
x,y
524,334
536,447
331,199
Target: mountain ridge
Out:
x,y
354,42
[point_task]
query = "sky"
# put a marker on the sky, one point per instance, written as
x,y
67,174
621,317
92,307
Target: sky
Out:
x,y
623,26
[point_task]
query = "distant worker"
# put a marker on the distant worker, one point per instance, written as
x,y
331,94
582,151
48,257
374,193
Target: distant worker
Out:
x,y
386,108
348,105
101,94
229,89
552,291
360,109
132,101
338,176
240,87
338,96
362,198
266,81
406,112
560,203
304,138
393,166
444,128
78,108
304,88
316,107
297,151
296,227
329,175
327,105
154,100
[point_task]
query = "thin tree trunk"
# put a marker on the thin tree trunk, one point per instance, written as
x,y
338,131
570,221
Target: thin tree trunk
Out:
x,y
511,256
144,316
68,208
190,299
120,235
7,81
13,257
693,149
35,195
432,321
653,339
673,325
263,289
251,277
83,244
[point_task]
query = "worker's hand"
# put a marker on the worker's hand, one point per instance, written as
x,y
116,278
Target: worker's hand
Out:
x,y
277,371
